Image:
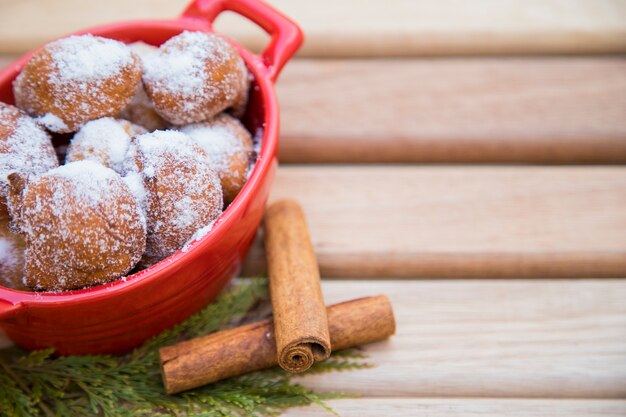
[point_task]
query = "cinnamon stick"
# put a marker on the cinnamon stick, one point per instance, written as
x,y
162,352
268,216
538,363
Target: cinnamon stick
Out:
x,y
252,347
301,324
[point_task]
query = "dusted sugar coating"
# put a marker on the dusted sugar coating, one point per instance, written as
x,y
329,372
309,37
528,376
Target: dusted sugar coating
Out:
x,y
229,150
194,76
12,247
24,147
182,194
140,110
76,79
82,226
105,141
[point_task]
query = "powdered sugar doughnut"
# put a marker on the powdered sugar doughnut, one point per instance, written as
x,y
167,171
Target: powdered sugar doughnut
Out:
x,y
73,80
194,76
82,226
229,150
182,193
105,141
12,248
24,148
140,110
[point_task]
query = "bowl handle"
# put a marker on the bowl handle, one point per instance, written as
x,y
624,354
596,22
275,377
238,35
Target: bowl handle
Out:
x,y
286,35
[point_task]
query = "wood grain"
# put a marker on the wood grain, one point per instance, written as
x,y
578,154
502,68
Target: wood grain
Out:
x,y
363,28
517,338
464,407
507,339
539,110
382,221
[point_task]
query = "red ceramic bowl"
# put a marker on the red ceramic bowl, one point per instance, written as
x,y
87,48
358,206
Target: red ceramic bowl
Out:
x,y
118,316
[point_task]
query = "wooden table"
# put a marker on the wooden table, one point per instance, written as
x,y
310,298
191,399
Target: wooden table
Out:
x,y
465,158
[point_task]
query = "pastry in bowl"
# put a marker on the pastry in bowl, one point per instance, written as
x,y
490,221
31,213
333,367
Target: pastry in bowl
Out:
x,y
105,141
182,194
81,223
194,76
229,149
77,79
24,147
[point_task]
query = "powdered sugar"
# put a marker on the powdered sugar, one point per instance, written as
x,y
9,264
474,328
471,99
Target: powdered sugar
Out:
x,y
52,122
198,235
183,70
218,141
11,257
163,141
160,146
8,253
27,149
105,140
11,263
89,178
82,226
194,76
228,146
134,182
24,150
182,192
87,58
76,79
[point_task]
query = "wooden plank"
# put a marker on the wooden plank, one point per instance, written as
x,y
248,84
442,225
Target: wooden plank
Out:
x,y
5,60
550,110
497,339
553,110
381,221
457,407
508,339
364,28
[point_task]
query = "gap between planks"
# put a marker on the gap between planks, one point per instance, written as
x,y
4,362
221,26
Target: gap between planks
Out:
x,y
460,221
466,407
362,28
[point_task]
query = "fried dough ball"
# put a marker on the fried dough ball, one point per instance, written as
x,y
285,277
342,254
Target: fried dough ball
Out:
x,y
140,110
24,148
105,141
12,248
229,150
182,194
82,226
194,76
76,79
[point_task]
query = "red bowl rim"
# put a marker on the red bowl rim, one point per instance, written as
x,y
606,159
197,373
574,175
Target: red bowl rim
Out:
x,y
268,149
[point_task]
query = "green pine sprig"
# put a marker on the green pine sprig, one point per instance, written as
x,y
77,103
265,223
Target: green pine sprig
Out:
x,y
37,384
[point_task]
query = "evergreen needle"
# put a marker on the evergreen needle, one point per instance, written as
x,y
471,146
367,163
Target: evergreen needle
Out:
x,y
36,384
